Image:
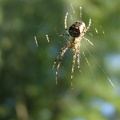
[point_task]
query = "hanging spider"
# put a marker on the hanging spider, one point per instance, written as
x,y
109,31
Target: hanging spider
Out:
x,y
75,33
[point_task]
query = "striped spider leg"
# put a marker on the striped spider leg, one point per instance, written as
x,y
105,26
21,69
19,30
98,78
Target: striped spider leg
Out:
x,y
75,32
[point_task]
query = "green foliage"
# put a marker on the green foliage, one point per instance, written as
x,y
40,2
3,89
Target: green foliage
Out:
x,y
27,81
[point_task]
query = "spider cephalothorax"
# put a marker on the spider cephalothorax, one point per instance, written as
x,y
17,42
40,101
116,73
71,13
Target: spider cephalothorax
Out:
x,y
76,33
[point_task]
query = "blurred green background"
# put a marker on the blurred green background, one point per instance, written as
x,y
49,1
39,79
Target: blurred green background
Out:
x,y
27,81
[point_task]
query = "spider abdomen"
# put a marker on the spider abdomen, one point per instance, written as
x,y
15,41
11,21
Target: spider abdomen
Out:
x,y
77,29
75,44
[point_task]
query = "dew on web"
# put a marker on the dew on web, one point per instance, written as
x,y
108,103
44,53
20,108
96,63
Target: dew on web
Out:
x,y
96,30
110,81
102,30
72,8
57,61
36,41
89,65
47,38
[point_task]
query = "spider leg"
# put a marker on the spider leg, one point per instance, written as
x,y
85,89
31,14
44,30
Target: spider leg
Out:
x,y
88,41
88,25
65,26
59,58
73,65
65,23
78,59
59,63
80,12
60,53
56,59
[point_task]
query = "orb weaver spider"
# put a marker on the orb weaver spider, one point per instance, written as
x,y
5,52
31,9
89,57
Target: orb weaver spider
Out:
x,y
75,33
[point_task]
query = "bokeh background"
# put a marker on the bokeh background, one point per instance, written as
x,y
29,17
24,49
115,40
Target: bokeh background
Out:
x,y
27,81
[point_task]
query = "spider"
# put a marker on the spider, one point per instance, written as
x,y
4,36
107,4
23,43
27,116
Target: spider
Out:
x,y
75,33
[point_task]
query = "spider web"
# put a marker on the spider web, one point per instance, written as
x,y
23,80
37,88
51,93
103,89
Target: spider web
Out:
x,y
88,51
86,48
